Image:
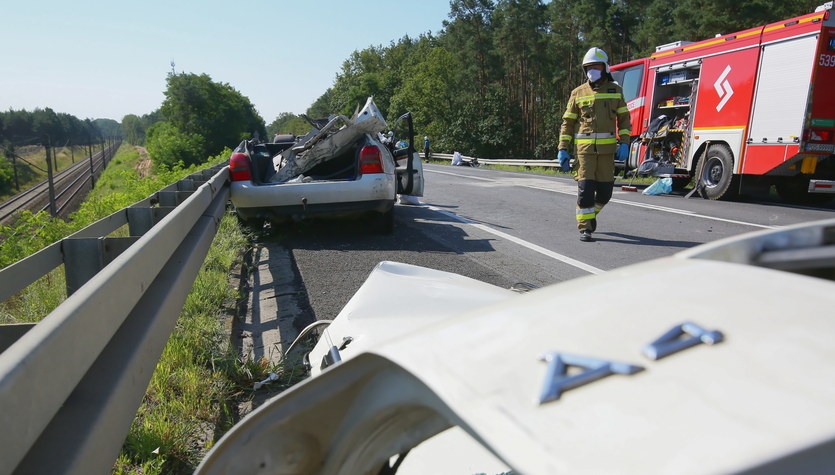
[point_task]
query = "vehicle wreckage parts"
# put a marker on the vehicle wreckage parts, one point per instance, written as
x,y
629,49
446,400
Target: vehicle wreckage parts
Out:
x,y
324,144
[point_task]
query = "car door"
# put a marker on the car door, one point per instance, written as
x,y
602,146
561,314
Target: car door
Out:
x,y
409,170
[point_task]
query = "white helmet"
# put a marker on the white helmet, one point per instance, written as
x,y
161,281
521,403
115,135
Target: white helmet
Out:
x,y
596,55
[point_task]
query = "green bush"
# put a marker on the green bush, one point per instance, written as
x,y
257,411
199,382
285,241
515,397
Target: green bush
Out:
x,y
170,147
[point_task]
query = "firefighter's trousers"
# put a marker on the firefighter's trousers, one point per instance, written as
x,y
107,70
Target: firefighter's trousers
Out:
x,y
595,180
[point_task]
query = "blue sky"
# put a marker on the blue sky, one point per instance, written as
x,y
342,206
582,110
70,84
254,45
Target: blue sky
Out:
x,y
106,59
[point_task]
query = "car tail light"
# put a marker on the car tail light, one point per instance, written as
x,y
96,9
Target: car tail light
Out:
x,y
817,135
371,161
239,167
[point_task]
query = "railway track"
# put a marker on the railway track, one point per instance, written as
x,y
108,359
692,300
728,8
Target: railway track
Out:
x,y
68,188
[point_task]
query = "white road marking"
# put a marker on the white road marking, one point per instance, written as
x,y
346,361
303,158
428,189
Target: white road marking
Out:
x,y
459,175
546,252
571,190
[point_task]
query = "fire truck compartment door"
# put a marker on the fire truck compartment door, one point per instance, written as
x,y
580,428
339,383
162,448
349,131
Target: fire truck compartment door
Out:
x,y
783,85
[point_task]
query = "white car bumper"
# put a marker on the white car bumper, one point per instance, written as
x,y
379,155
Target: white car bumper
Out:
x,y
369,193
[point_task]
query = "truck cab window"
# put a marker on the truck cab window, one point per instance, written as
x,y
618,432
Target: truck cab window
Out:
x,y
630,81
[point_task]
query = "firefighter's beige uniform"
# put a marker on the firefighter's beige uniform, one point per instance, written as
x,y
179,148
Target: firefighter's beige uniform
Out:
x,y
595,118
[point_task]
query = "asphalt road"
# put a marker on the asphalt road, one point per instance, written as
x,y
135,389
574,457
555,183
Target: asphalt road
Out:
x,y
503,228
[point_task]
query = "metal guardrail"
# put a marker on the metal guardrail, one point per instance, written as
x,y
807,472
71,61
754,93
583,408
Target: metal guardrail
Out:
x,y
71,384
522,162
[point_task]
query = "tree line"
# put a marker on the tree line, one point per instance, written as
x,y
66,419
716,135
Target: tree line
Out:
x,y
18,128
42,128
494,81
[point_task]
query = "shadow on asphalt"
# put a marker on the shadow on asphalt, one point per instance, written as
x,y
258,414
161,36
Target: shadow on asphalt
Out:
x,y
358,235
643,240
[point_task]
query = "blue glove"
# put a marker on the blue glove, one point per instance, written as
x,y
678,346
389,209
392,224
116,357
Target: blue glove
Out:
x,y
622,153
565,160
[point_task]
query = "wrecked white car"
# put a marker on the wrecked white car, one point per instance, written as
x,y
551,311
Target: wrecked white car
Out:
x,y
578,377
343,168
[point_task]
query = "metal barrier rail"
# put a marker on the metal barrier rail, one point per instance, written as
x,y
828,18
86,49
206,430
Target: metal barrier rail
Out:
x,y
71,384
522,162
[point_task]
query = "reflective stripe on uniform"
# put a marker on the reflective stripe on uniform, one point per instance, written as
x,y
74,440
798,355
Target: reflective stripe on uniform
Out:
x,y
569,115
585,213
594,135
623,132
622,110
600,138
598,96
565,137
598,141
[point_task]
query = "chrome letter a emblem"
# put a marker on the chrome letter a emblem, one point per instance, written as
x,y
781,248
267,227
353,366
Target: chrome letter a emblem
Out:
x,y
557,380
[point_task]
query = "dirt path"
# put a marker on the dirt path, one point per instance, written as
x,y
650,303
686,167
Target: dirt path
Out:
x,y
144,166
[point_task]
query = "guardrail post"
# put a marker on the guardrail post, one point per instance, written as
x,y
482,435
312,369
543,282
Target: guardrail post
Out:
x,y
85,257
141,220
11,332
186,184
172,198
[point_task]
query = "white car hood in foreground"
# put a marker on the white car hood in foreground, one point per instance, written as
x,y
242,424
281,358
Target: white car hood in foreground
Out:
x,y
760,397
397,299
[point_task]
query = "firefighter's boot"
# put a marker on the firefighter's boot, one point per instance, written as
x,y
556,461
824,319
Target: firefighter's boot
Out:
x,y
585,236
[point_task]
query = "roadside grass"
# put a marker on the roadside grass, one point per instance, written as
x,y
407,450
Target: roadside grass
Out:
x,y
120,173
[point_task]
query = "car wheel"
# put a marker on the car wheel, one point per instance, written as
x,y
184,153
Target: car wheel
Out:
x,y
717,178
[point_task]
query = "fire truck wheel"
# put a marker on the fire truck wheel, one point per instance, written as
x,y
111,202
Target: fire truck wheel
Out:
x,y
717,174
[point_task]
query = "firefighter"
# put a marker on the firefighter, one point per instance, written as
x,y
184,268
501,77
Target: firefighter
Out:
x,y
426,148
597,119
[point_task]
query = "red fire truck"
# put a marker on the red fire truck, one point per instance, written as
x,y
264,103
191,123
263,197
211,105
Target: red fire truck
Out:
x,y
739,112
